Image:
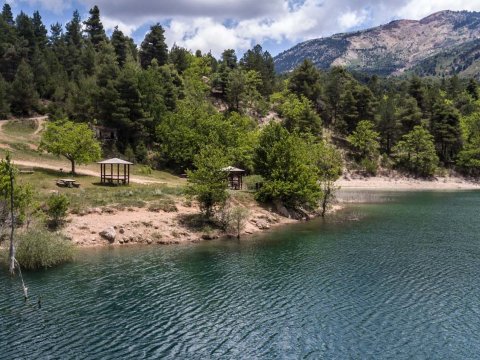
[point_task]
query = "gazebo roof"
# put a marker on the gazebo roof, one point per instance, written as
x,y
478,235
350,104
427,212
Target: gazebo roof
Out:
x,y
232,169
115,161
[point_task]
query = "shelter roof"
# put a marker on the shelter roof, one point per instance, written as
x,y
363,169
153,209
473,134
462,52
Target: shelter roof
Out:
x,y
232,169
115,161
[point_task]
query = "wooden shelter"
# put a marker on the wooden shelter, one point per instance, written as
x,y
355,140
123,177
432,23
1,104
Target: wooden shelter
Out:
x,y
105,134
235,177
115,172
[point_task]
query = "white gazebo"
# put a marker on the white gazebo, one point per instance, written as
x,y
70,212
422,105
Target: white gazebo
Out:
x,y
115,172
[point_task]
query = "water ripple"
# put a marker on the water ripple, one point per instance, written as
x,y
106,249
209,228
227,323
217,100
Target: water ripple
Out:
x,y
401,283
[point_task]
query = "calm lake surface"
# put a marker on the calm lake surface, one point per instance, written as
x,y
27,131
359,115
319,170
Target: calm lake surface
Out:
x,y
398,280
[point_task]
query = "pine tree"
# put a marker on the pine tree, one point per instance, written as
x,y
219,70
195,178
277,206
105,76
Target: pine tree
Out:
x,y
229,59
154,47
180,58
388,123
7,14
262,62
39,31
472,89
24,97
347,116
25,31
119,42
305,80
73,34
94,27
73,41
4,103
409,113
445,125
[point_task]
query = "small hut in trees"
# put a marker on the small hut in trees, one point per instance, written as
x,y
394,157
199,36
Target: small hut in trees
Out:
x,y
235,177
115,172
105,134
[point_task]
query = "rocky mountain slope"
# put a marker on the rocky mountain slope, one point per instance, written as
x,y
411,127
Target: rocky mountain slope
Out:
x,y
435,45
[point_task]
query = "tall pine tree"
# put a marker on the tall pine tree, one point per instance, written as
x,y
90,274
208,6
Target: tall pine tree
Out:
x,y
154,47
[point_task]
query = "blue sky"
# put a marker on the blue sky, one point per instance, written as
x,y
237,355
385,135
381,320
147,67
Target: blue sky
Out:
x,y
213,25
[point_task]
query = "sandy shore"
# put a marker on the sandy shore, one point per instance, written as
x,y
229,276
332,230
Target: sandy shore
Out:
x,y
142,226
403,183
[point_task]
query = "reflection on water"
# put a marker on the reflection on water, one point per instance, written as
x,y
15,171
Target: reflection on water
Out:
x,y
389,280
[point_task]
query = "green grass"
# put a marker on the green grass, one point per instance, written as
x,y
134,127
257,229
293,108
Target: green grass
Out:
x,y
19,128
120,197
91,194
43,181
39,249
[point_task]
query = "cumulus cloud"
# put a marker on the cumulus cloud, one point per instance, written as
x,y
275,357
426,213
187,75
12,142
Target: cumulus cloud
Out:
x,y
218,24
416,9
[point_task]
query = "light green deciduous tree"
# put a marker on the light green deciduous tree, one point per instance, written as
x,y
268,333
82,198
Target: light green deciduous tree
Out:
x,y
74,141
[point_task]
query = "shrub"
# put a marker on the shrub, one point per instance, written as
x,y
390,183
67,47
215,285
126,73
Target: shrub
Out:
x,y
57,207
252,180
42,249
145,170
166,205
370,166
233,219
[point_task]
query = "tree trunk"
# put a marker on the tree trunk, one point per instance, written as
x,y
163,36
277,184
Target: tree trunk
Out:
x,y
73,166
326,200
11,255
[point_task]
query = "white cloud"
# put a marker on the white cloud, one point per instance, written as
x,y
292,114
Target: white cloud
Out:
x,y
110,24
352,19
201,24
205,34
417,9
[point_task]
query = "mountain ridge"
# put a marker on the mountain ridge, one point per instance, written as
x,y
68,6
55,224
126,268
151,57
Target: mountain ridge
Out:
x,y
389,49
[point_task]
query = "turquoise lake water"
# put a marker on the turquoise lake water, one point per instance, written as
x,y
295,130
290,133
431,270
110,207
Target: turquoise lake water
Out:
x,y
392,280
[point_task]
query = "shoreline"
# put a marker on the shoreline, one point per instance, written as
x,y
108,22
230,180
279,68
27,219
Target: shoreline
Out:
x,y
401,183
132,226
136,226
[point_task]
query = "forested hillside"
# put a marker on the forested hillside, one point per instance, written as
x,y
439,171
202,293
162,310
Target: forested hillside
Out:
x,y
170,105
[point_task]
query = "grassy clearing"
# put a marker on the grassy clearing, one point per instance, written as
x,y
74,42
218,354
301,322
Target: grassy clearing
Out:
x,y
91,194
21,139
120,197
20,128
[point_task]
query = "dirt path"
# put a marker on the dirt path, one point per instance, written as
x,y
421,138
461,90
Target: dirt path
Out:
x,y
40,121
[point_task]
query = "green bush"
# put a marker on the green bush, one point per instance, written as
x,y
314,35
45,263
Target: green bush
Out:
x,y
251,180
42,249
57,207
370,166
145,170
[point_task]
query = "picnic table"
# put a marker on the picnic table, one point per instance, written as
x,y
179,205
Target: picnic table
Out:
x,y
67,183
